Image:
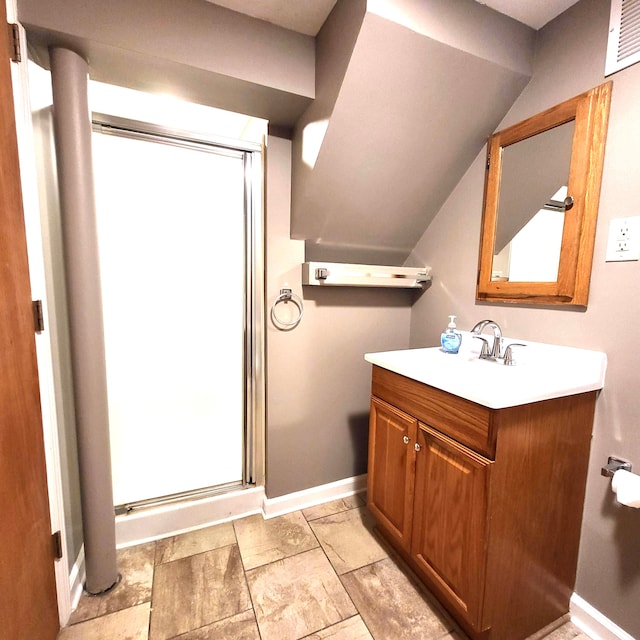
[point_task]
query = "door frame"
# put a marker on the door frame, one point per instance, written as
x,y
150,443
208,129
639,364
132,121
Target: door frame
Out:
x,y
44,351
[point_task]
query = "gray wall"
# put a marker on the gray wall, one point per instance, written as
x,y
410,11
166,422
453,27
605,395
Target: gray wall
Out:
x,y
318,384
569,60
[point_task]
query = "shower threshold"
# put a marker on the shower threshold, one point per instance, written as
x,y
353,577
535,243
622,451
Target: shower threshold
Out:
x,y
194,494
187,512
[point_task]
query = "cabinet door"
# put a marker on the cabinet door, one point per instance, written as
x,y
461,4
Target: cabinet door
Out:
x,y
390,485
450,521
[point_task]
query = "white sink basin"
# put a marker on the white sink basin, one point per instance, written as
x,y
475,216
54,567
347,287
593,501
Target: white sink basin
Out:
x,y
542,371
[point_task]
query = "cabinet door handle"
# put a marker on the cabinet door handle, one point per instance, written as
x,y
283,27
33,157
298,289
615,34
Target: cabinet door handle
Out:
x,y
417,447
405,439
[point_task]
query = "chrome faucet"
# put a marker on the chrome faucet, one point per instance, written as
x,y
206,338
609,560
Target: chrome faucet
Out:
x,y
496,350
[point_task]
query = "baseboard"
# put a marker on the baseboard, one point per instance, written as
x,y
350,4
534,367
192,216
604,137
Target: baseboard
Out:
x,y
160,522
273,507
169,520
594,623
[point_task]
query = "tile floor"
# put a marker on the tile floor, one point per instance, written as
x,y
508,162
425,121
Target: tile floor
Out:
x,y
314,574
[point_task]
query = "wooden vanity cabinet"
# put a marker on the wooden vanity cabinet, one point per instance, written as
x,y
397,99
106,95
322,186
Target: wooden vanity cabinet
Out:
x,y
484,504
391,470
450,512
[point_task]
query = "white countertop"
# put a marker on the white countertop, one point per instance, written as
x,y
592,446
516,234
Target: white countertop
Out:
x,y
542,371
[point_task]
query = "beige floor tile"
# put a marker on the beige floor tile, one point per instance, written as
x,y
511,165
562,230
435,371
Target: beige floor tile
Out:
x,y
135,565
347,539
335,506
127,624
296,596
195,591
351,629
262,541
239,627
188,544
392,606
567,631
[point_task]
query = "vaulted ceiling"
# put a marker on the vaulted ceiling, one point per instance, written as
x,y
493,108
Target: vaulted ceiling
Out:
x,y
402,107
388,104
309,16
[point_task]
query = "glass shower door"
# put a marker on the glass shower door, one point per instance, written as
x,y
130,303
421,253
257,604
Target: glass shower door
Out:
x,y
172,237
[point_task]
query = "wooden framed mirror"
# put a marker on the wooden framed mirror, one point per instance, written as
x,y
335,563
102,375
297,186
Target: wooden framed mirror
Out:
x,y
541,198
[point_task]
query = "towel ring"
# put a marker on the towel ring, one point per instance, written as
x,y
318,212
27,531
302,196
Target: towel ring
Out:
x,y
286,296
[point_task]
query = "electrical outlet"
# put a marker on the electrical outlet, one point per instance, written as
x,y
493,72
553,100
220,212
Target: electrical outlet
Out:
x,y
624,239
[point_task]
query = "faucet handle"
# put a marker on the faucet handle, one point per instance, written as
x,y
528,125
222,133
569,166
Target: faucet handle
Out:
x,y
484,353
508,354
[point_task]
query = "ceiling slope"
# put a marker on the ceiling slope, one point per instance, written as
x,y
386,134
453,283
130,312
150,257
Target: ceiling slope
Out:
x,y
373,166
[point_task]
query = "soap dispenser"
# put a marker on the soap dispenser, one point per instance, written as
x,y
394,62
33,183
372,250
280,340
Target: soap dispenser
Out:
x,y
451,337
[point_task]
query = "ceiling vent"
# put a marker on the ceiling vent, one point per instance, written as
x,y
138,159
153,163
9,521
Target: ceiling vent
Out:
x,y
623,48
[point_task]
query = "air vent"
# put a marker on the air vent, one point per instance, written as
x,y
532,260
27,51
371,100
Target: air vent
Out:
x,y
623,48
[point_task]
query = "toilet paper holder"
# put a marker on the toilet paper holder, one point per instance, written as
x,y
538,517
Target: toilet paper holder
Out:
x,y
613,465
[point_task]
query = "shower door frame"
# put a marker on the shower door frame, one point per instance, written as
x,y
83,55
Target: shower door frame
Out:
x,y
253,471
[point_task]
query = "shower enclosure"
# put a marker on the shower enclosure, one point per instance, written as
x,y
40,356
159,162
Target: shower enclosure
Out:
x,y
180,239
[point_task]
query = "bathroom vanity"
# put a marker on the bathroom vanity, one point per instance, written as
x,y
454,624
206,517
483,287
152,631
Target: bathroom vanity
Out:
x,y
483,501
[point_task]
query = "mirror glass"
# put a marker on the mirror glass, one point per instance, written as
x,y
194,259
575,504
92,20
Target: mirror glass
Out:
x,y
541,199
533,187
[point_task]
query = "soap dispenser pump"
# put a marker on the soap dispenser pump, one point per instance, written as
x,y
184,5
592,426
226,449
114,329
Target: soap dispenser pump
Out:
x,y
451,338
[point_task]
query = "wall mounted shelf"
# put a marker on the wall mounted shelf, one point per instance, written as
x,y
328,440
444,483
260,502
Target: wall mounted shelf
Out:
x,y
338,274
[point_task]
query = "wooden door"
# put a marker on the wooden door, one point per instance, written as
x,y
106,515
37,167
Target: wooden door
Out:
x,y
28,607
450,522
390,480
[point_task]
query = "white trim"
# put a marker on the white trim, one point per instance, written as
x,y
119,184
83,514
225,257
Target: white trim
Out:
x,y
169,520
593,623
31,207
77,579
273,507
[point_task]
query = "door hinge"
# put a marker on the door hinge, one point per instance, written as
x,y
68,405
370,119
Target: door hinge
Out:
x,y
56,538
14,43
488,161
38,316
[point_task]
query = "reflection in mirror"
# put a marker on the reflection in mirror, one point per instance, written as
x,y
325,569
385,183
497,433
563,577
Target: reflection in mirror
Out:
x,y
535,174
541,204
